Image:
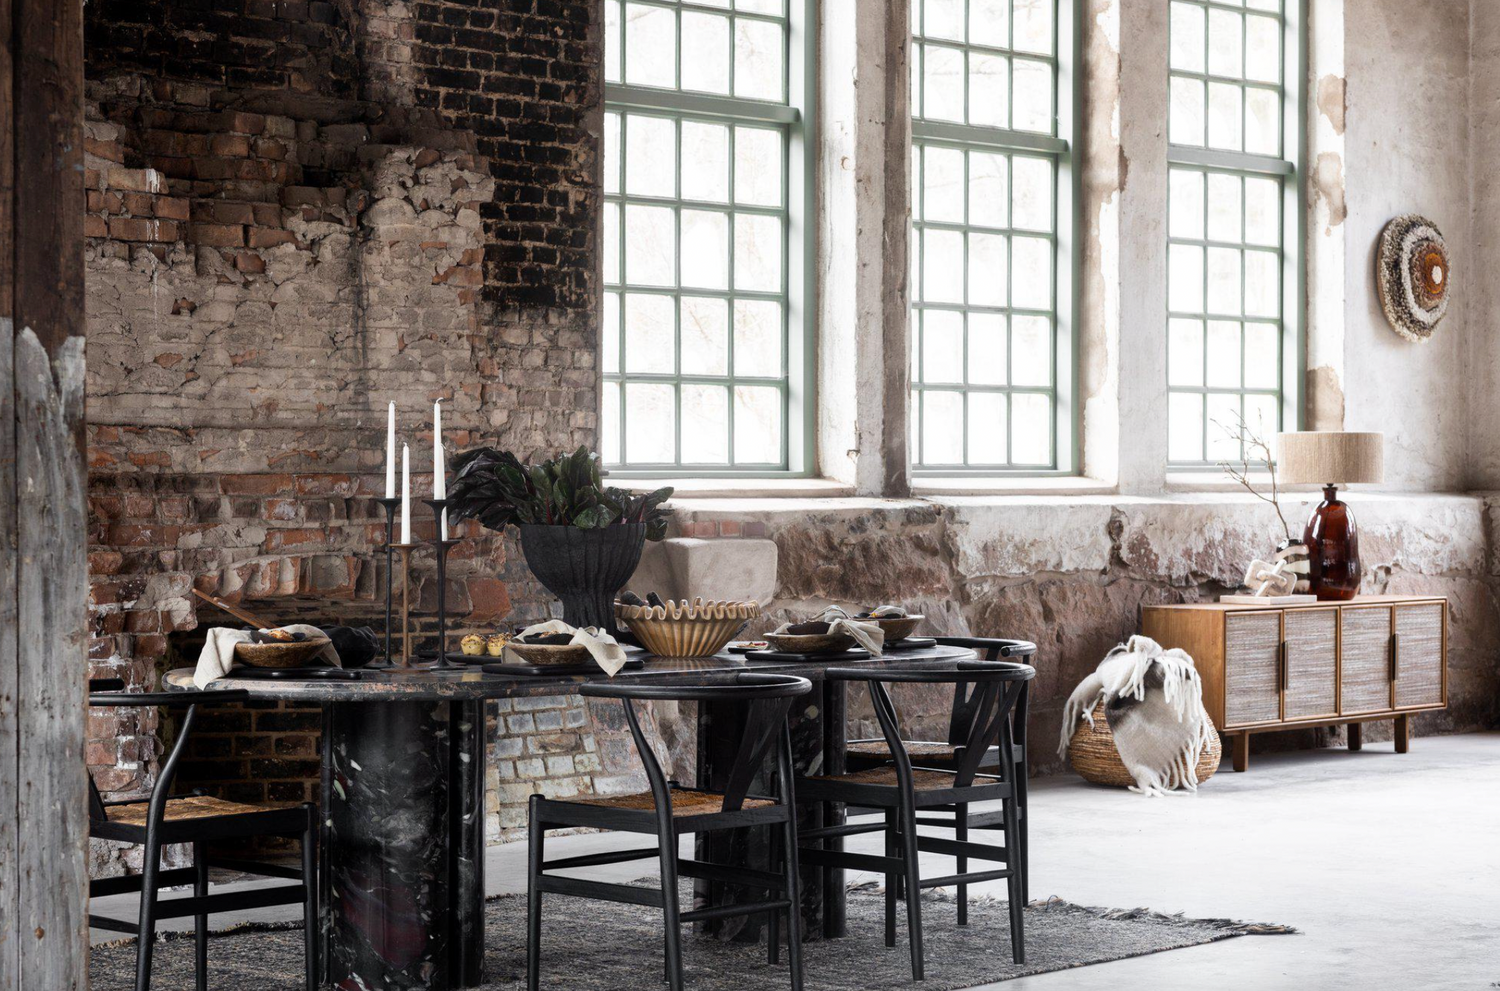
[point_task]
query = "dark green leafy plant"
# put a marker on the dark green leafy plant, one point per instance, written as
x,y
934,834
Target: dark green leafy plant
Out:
x,y
496,489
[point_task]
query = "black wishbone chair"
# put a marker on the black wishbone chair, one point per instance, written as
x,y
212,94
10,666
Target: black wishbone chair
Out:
x,y
196,819
668,811
901,790
868,753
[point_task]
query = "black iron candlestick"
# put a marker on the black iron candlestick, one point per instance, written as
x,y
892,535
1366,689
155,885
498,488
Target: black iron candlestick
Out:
x,y
441,546
390,503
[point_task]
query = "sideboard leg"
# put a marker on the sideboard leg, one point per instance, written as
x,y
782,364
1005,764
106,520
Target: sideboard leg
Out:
x,y
1356,736
1242,751
1403,734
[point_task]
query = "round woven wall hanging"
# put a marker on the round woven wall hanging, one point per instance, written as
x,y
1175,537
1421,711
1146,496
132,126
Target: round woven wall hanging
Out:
x,y
1411,273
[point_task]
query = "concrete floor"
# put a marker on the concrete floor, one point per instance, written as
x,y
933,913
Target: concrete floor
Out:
x,y
1389,864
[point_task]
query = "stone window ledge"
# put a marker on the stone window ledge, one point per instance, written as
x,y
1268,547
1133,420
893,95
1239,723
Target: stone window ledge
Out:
x,y
958,485
739,488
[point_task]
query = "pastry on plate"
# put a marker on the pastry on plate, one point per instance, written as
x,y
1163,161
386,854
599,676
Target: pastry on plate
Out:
x,y
472,644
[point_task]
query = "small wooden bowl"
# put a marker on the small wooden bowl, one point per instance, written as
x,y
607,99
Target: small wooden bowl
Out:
x,y
543,654
895,628
809,643
279,655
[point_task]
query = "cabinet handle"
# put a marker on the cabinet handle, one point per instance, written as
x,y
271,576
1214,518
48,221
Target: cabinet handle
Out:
x,y
1395,656
1284,667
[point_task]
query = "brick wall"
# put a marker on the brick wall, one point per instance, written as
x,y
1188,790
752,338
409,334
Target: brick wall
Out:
x,y
299,211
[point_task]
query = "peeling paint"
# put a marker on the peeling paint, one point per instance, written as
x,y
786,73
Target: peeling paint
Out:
x,y
1325,399
1328,187
1333,101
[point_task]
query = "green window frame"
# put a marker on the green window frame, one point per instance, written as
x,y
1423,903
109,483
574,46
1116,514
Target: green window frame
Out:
x,y
993,356
706,354
1235,225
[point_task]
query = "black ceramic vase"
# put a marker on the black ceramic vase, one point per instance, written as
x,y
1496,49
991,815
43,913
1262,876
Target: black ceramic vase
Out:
x,y
584,568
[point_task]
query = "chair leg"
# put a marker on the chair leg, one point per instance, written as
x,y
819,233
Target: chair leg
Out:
x,y
773,917
961,834
310,898
535,839
146,942
1014,896
668,842
891,877
200,921
908,816
794,896
1023,853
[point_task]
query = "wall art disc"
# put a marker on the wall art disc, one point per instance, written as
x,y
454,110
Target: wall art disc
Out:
x,y
1412,276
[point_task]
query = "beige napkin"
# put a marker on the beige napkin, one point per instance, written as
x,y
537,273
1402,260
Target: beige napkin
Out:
x,y
868,635
603,648
217,656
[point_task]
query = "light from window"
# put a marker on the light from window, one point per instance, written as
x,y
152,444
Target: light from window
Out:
x,y
697,133
985,245
1226,218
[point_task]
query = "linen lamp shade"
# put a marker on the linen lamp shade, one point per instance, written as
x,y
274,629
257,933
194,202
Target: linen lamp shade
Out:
x,y
1330,457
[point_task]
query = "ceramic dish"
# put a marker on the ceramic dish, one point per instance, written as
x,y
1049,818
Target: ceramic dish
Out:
x,y
291,654
542,654
895,627
809,643
678,629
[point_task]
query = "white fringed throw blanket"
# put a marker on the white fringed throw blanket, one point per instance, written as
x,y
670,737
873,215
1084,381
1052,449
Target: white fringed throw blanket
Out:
x,y
1153,699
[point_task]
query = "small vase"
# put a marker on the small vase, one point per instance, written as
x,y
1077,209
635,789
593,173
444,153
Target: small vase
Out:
x,y
1294,553
584,568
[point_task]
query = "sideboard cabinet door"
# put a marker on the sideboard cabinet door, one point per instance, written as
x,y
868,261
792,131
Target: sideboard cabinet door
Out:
x,y
1419,654
1365,658
1311,663
1252,659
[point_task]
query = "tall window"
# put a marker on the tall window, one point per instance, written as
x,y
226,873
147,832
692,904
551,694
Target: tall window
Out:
x,y
1233,219
991,259
705,209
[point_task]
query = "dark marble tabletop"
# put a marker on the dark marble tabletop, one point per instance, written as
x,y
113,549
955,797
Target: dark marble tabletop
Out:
x,y
426,684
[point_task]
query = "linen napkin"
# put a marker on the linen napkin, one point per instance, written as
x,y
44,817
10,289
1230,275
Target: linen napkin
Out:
x,y
603,648
868,635
217,656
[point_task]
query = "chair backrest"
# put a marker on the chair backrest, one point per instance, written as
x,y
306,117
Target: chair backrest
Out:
x,y
966,700
766,697
988,691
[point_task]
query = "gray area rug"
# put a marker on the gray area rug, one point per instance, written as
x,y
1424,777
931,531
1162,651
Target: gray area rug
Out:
x,y
593,946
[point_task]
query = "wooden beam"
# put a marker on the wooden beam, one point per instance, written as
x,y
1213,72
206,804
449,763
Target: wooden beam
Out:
x,y
43,577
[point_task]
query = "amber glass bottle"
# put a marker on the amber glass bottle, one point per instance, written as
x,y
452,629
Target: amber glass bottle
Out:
x,y
1333,544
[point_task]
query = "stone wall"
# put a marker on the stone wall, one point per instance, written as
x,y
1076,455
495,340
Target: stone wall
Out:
x,y
1071,575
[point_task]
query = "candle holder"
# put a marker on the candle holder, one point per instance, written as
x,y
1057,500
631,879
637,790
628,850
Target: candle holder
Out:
x,y
390,503
406,550
441,546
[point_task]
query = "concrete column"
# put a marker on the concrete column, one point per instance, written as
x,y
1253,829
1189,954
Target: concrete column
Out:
x,y
1323,395
864,235
1123,288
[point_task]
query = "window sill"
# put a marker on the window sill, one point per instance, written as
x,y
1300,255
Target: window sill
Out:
x,y
741,488
945,486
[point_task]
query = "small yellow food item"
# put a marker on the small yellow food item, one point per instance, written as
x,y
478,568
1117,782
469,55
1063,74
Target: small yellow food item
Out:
x,y
472,644
496,642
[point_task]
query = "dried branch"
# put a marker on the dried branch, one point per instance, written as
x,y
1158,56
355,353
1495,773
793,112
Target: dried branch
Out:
x,y
1252,443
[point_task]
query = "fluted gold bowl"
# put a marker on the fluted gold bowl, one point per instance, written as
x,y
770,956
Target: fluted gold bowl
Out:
x,y
682,629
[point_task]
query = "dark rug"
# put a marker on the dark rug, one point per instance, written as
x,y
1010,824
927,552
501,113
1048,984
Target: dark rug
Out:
x,y
592,946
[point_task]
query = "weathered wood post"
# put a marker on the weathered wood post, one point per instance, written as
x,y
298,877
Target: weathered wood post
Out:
x,y
43,561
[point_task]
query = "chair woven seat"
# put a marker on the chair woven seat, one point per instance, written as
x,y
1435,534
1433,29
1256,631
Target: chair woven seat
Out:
x,y
685,802
187,807
886,777
879,748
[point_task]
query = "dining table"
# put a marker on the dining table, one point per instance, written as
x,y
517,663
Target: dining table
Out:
x,y
401,886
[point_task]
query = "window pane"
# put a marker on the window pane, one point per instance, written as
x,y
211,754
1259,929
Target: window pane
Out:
x,y
1224,209
759,63
758,332
988,430
757,166
942,83
1262,122
609,423
942,346
650,156
943,19
943,428
1262,414
1033,26
705,249
650,245
1262,284
650,45
650,333
757,425
1185,204
1184,352
651,412
1224,111
1223,280
705,424
705,161
1223,354
987,349
1185,278
942,266
943,185
611,153
1225,44
1187,37
1223,425
612,41
989,88
757,252
611,242
1262,211
609,335
987,269
1262,356
1031,108
705,52
1031,184
987,189
1031,350
1262,49
1031,273
1185,426
705,336
989,23
1031,428
1185,117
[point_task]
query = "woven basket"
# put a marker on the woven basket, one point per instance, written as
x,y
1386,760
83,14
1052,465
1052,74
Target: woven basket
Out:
x,y
1093,754
678,629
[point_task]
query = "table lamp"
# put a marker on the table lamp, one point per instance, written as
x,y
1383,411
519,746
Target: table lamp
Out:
x,y
1331,458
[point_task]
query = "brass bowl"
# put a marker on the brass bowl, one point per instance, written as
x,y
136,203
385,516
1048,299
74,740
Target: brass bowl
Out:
x,y
678,629
895,628
543,654
809,643
279,655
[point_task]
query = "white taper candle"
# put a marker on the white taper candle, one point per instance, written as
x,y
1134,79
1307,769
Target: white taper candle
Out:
x,y
390,452
405,494
439,467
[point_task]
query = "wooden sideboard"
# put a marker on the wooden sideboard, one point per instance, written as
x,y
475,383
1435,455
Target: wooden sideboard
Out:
x,y
1321,664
